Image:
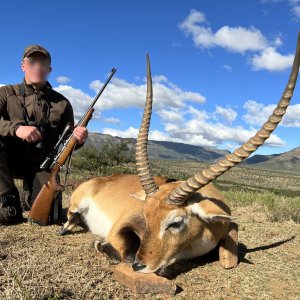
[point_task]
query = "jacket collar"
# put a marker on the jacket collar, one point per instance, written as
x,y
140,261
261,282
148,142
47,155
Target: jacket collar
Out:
x,y
29,89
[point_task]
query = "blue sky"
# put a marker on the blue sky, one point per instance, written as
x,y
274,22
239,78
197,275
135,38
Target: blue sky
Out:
x,y
218,67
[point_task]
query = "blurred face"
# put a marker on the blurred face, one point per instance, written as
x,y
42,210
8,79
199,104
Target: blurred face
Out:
x,y
36,68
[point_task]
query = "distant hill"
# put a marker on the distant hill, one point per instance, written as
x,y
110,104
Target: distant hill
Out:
x,y
287,161
258,158
163,150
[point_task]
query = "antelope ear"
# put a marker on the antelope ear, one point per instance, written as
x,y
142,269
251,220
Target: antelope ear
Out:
x,y
219,218
210,211
140,195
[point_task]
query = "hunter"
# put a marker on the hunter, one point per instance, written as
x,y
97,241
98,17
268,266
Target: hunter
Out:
x,y
32,117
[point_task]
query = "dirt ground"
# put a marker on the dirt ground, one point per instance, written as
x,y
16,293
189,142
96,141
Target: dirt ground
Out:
x,y
35,263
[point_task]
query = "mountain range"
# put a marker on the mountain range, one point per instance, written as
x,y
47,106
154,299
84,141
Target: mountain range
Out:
x,y
287,161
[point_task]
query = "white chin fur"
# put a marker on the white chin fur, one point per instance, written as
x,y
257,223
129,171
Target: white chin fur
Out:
x,y
162,266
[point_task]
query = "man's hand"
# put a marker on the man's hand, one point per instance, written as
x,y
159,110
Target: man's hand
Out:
x,y
28,133
81,134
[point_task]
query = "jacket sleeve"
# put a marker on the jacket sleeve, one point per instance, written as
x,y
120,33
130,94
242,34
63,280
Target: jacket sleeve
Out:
x,y
7,127
68,117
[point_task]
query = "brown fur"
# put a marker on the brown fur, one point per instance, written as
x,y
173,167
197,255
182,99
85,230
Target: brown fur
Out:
x,y
155,252
136,223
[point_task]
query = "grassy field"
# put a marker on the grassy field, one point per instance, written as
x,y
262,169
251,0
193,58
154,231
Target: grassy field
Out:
x,y
35,263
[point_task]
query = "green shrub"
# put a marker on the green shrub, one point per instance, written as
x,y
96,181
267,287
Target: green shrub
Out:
x,y
100,160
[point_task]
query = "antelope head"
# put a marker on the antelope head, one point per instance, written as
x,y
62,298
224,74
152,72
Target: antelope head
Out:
x,y
185,219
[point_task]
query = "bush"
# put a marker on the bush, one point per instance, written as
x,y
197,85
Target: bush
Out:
x,y
100,160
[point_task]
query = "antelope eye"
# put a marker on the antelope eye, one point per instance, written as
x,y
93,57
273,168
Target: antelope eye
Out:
x,y
175,225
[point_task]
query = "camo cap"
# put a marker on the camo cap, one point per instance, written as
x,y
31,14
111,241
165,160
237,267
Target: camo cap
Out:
x,y
36,48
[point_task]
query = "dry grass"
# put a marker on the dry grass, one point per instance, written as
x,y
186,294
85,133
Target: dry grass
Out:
x,y
276,193
35,263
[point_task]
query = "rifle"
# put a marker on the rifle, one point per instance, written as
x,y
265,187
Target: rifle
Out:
x,y
42,204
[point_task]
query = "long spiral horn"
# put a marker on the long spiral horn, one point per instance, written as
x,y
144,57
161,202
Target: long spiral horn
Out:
x,y
141,155
179,195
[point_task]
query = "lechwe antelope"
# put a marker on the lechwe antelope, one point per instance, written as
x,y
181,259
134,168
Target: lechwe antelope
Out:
x,y
152,222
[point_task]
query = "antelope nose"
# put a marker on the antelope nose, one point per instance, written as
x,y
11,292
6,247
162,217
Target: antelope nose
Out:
x,y
137,266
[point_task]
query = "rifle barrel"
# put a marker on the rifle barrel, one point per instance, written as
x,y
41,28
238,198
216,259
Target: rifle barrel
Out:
x,y
113,71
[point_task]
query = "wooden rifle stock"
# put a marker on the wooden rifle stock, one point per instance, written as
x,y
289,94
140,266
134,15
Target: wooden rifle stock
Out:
x,y
42,204
41,207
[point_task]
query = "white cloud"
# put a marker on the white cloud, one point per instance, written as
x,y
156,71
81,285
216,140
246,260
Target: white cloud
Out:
x,y
199,132
62,79
157,135
132,132
111,120
277,42
228,114
236,39
294,6
159,78
296,11
122,94
292,117
128,133
239,40
170,115
79,100
198,114
199,128
258,113
227,67
182,122
203,128
230,146
269,59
